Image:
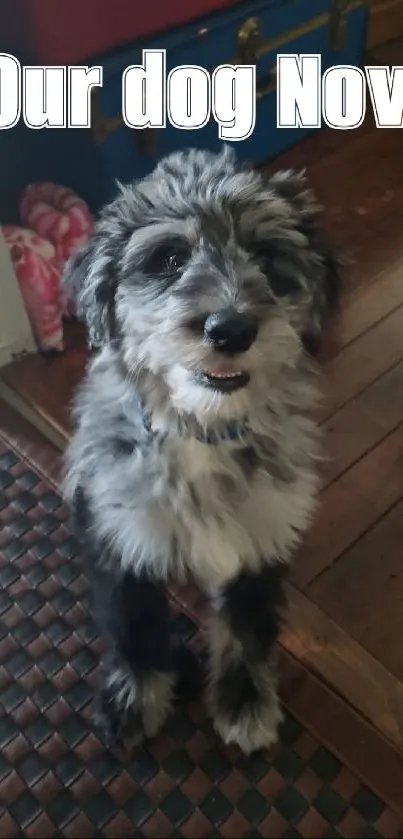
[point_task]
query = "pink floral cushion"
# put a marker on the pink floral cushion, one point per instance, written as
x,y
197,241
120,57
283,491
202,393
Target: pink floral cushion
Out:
x,y
38,276
57,214
56,222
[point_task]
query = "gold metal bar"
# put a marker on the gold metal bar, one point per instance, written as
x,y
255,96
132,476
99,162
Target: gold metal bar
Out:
x,y
250,48
304,29
297,32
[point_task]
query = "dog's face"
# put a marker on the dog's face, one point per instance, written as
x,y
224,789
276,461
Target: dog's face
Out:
x,y
210,280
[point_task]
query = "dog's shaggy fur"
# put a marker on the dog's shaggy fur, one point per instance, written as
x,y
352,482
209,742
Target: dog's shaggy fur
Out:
x,y
173,471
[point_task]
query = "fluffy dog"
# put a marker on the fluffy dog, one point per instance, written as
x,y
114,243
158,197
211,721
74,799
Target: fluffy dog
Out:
x,y
204,285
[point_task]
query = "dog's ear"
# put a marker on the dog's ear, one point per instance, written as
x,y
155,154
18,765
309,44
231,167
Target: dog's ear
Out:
x,y
89,280
327,282
91,276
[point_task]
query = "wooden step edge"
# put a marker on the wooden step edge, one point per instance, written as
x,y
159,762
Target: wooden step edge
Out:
x,y
56,436
374,695
330,719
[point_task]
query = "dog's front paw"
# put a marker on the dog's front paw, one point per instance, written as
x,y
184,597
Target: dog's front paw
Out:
x,y
118,726
254,728
243,714
127,710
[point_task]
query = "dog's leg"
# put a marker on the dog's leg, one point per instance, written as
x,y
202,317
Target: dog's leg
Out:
x,y
137,682
242,693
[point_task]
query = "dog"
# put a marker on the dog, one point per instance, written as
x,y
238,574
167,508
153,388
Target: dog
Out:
x,y
206,287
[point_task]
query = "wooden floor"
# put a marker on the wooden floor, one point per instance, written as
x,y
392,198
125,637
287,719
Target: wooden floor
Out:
x,y
346,591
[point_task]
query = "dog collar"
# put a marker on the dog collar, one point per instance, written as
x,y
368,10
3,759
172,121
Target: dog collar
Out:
x,y
233,432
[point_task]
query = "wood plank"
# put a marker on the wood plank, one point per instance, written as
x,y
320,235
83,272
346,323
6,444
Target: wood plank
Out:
x,y
319,145
30,443
362,424
371,187
362,362
338,726
359,180
350,506
47,384
363,591
320,644
363,194
386,22
362,308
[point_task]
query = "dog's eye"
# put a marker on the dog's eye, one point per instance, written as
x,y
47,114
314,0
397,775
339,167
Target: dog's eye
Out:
x,y
167,260
175,261
282,285
281,282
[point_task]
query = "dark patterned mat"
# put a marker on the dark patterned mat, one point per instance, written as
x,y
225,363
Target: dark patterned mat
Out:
x,y
57,778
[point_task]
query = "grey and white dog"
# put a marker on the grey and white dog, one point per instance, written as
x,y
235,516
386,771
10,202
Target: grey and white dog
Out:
x,y
206,285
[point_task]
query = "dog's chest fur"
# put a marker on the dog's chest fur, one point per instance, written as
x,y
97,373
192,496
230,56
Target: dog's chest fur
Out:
x,y
172,505
236,505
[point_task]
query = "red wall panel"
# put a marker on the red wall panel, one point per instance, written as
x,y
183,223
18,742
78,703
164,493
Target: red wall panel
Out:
x,y
71,32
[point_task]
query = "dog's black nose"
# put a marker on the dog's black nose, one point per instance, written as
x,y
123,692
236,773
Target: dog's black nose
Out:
x,y
231,332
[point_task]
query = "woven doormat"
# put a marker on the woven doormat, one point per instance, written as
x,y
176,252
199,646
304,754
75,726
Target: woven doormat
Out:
x,y
58,778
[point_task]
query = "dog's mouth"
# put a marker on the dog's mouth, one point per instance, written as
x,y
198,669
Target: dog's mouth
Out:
x,y
225,381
